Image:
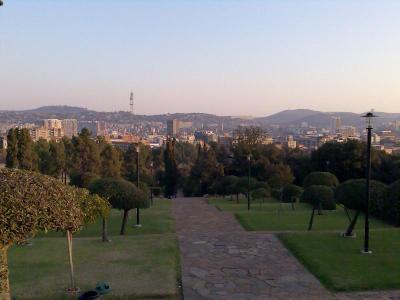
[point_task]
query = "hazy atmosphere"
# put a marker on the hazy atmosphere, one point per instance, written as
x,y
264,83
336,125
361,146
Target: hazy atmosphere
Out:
x,y
222,57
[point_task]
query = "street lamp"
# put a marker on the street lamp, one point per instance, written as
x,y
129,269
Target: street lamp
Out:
x,y
137,184
368,118
152,183
248,181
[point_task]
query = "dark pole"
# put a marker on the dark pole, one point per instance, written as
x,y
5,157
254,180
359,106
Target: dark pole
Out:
x,y
248,183
367,198
152,184
137,184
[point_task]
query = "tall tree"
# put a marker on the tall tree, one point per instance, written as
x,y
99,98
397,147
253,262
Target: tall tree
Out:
x,y
85,154
171,169
25,155
12,148
110,162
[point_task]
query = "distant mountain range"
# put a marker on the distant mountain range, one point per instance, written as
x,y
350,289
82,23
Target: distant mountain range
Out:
x,y
322,119
284,118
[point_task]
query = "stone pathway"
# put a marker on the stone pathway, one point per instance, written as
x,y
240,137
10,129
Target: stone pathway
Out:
x,y
222,261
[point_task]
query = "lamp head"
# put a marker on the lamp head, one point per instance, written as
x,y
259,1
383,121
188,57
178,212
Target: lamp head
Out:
x,y
137,149
368,118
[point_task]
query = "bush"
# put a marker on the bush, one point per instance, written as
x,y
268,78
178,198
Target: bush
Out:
x,y
276,193
260,193
318,195
290,192
83,180
351,194
321,178
393,201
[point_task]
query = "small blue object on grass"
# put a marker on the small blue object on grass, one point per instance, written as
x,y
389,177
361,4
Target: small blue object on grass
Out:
x,y
103,288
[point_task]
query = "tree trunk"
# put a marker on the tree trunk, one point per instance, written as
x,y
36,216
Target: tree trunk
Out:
x,y
319,209
237,198
349,231
105,231
4,282
71,262
311,219
124,221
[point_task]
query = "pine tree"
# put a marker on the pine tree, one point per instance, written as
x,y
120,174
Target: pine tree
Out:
x,y
110,162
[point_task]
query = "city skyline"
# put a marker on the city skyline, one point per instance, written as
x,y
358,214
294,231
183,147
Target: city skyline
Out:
x,y
226,58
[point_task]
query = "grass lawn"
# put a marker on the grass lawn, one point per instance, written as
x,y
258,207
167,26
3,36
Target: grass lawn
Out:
x,y
273,216
340,266
142,264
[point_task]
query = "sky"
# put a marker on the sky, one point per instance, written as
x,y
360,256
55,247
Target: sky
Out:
x,y
223,57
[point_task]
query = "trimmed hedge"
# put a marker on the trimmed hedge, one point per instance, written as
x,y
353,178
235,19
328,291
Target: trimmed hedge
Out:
x,y
321,178
393,199
351,194
260,193
319,195
291,191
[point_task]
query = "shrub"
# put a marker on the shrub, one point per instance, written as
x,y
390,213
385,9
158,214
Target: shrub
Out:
x,y
260,193
83,180
319,195
290,192
321,178
276,193
122,195
393,201
351,194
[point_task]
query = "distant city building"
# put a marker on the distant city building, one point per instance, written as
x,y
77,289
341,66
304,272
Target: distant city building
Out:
x,y
291,143
173,127
336,123
375,139
3,142
52,123
348,131
96,128
70,127
39,133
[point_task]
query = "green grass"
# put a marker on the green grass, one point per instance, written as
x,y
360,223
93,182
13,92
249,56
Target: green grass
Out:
x,y
340,266
155,220
142,264
274,216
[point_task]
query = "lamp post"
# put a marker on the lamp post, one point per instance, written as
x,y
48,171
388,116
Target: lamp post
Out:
x,y
368,118
152,183
137,184
248,181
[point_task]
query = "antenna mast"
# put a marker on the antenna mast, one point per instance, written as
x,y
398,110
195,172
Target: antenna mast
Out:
x,y
131,103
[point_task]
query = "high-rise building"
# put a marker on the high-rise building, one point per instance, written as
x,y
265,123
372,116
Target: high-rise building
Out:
x,y
70,127
52,123
336,123
96,128
172,127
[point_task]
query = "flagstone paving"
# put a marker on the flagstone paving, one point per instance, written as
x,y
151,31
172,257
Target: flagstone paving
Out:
x,y
222,261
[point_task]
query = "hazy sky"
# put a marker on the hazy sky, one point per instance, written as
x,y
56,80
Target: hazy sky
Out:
x,y
223,57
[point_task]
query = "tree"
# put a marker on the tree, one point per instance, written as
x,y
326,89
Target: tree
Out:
x,y
320,197
12,149
171,169
321,178
393,197
291,192
260,193
352,194
345,160
25,155
110,162
27,205
84,154
122,195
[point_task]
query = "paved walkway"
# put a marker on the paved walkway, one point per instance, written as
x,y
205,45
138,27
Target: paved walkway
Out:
x,y
222,261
